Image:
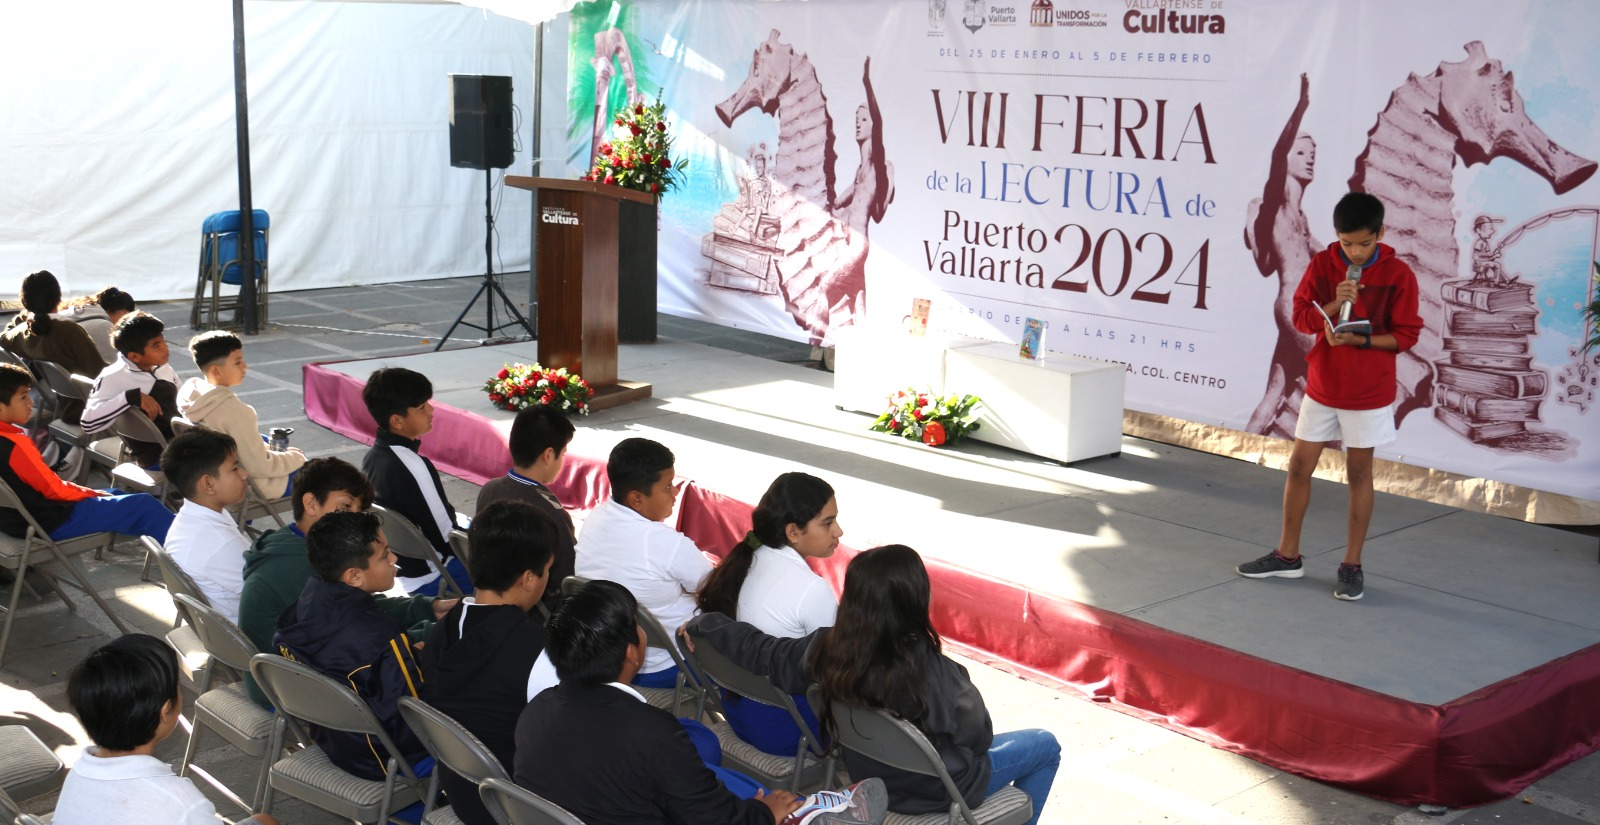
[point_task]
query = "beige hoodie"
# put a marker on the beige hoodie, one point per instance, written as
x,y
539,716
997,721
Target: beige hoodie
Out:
x,y
219,409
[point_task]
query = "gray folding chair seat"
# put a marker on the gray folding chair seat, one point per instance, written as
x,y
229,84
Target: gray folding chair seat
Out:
x,y
228,710
28,767
36,548
512,804
452,746
133,425
304,698
882,736
408,541
805,769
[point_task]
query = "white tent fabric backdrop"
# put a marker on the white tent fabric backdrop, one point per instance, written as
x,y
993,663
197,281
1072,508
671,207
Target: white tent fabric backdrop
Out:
x,y
117,139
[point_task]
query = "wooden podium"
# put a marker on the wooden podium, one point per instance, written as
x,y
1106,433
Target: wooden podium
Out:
x,y
578,244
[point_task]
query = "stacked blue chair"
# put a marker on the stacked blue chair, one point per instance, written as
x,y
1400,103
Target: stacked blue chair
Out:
x,y
219,267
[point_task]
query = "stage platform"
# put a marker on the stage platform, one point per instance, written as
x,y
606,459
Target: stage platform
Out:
x,y
1471,668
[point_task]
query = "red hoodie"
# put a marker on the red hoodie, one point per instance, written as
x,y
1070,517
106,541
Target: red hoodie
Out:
x,y
1348,377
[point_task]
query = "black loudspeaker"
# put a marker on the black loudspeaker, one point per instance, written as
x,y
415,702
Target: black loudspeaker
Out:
x,y
480,121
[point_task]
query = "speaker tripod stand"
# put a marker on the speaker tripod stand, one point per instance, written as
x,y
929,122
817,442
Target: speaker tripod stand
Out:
x,y
490,285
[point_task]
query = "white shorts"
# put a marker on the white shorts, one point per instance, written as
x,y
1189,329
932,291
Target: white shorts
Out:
x,y
1357,428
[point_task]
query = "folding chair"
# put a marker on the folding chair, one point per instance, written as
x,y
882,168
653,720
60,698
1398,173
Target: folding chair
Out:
x,y
452,746
220,266
228,710
104,448
70,398
36,548
880,735
133,425
193,655
406,540
512,804
305,697
803,770
257,504
28,767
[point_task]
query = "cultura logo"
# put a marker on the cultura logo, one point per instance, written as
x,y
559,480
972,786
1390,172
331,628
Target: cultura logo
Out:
x,y
1043,14
1172,22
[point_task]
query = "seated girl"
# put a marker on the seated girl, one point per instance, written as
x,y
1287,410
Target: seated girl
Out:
x,y
883,652
765,582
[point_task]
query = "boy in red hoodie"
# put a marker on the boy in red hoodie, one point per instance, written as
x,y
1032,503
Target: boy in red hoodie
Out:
x,y
1350,387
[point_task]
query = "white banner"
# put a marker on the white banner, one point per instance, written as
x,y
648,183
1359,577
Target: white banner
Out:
x,y
1149,178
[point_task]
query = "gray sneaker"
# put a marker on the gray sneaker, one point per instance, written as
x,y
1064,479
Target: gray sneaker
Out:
x,y
1350,586
1272,565
864,803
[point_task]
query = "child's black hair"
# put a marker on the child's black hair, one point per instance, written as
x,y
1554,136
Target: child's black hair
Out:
x,y
1357,211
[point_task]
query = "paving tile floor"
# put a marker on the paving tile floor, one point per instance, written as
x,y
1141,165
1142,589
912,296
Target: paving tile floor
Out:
x,y
1116,769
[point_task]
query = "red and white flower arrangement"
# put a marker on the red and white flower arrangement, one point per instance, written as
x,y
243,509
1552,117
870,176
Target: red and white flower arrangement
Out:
x,y
520,386
933,419
639,153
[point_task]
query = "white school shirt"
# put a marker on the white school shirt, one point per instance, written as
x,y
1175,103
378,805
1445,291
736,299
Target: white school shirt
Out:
x,y
782,597
130,790
209,547
660,566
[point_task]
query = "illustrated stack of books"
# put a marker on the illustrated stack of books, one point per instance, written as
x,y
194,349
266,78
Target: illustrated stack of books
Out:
x,y
1487,388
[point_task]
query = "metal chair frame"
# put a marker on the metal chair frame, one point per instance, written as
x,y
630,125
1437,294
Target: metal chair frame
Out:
x,y
721,671
405,539
512,804
305,697
231,649
451,745
212,275
59,551
884,737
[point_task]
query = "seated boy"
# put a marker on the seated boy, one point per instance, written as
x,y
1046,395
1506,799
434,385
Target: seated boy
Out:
x,y
204,539
127,697
65,510
337,628
483,662
625,541
539,439
209,401
406,482
276,568
593,745
140,378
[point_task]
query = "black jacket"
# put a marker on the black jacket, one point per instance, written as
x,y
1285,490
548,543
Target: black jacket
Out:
x,y
398,491
506,488
343,633
480,679
608,757
958,724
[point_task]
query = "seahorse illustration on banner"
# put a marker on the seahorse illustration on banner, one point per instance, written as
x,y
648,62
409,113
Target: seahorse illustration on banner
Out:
x,y
1469,110
822,238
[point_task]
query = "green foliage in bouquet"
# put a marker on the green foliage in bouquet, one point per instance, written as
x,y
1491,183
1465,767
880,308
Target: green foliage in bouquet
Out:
x,y
519,386
639,154
932,419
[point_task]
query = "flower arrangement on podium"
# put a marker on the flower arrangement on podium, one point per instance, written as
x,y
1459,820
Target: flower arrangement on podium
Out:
x,y
520,386
933,419
639,153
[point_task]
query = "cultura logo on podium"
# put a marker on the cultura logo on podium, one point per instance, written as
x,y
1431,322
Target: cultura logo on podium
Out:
x,y
1043,14
555,214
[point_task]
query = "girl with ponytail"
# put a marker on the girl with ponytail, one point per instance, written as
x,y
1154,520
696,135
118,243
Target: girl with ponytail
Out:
x,y
765,581
35,335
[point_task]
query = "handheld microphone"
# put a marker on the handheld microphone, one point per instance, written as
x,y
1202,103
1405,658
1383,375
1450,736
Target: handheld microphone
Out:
x,y
1353,275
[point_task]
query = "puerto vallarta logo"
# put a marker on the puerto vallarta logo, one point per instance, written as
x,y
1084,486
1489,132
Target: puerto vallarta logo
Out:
x,y
1043,14
1164,17
974,13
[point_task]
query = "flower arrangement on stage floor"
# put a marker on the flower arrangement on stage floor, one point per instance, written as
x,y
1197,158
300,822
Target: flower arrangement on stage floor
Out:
x,y
933,419
520,386
639,155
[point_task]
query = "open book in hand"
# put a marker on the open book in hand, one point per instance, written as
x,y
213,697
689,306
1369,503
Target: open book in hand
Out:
x,y
1357,326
